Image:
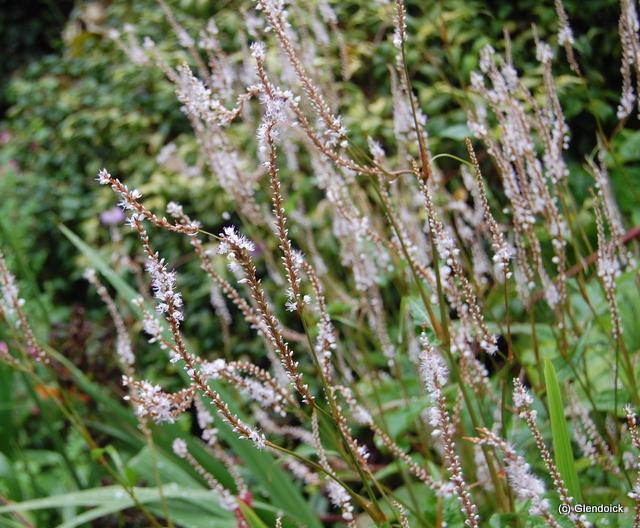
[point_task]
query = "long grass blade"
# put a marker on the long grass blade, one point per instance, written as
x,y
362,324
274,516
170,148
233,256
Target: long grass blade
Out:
x,y
561,444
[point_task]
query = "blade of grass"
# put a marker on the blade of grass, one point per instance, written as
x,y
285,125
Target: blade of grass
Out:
x,y
250,516
111,499
7,427
45,414
563,453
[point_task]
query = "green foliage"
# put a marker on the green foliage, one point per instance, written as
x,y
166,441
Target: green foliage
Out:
x,y
561,443
69,114
71,441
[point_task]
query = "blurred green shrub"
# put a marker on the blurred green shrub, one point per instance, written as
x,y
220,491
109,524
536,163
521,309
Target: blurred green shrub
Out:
x,y
87,106
71,113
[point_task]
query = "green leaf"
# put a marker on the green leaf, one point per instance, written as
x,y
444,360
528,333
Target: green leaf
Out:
x,y
169,470
9,476
101,265
251,517
92,514
189,514
112,499
457,132
123,416
116,494
561,444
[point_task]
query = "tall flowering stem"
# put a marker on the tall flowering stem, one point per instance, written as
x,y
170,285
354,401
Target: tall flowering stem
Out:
x,y
275,13
635,492
275,103
163,284
435,376
130,202
565,35
123,345
237,247
608,269
523,400
227,500
524,484
11,304
448,252
628,27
